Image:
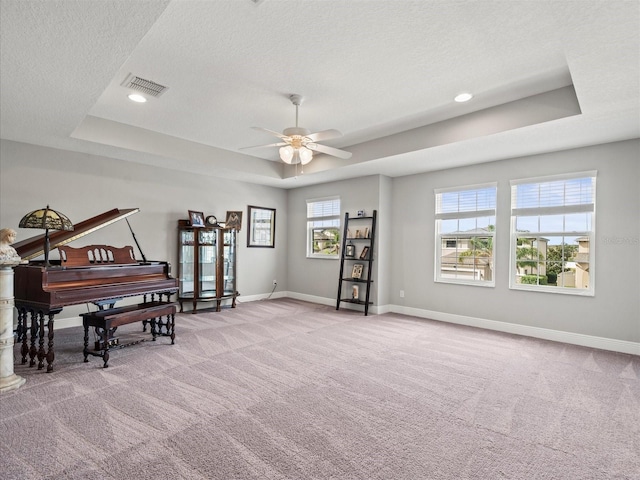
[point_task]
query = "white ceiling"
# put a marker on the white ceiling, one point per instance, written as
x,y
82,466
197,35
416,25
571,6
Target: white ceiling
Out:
x,y
368,68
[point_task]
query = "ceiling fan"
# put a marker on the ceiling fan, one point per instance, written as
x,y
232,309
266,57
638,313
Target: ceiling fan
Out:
x,y
298,144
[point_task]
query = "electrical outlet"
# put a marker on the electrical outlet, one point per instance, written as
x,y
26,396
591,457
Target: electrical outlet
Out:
x,y
401,293
275,282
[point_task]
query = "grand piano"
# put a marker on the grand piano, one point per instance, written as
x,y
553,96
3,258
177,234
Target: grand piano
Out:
x,y
94,274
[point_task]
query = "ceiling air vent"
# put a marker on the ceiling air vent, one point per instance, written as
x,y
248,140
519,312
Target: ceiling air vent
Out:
x,y
145,86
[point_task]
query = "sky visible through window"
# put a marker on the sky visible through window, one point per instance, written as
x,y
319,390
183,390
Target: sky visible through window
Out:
x,y
560,194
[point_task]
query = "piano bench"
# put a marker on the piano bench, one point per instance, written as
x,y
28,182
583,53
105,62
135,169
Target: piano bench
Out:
x,y
106,320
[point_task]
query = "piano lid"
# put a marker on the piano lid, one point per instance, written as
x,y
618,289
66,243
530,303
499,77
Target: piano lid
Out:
x,y
34,246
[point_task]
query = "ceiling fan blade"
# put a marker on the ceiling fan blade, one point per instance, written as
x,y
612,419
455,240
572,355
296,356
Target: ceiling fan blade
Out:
x,y
279,144
277,134
324,135
335,152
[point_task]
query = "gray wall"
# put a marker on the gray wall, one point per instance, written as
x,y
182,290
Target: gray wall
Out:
x,y
318,277
83,185
614,311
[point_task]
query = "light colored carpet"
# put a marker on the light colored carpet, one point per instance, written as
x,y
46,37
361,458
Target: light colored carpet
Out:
x,y
284,389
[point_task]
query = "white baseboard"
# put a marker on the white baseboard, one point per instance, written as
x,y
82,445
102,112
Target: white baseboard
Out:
x,y
311,298
261,296
602,343
374,310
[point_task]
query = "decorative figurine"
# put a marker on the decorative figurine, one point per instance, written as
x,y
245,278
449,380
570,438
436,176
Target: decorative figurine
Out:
x,y
8,254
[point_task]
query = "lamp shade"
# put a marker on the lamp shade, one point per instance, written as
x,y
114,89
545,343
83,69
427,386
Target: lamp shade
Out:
x,y
46,219
305,154
286,154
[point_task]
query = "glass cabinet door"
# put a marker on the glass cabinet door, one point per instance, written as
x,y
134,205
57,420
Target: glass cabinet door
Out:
x,y
207,262
207,265
186,263
229,262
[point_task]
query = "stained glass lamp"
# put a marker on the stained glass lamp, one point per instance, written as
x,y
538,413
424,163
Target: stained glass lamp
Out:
x,y
46,219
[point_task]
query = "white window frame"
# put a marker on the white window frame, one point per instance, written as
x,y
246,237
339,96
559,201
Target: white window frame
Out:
x,y
330,220
588,208
464,214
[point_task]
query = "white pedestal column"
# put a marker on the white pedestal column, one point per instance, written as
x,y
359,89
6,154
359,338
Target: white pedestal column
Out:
x,y
8,379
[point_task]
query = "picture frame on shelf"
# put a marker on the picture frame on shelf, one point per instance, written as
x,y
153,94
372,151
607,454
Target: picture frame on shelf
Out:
x,y
358,234
196,218
350,250
355,292
234,220
364,255
261,230
356,271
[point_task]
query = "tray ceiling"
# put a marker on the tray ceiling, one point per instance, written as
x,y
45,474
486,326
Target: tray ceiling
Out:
x,y
546,76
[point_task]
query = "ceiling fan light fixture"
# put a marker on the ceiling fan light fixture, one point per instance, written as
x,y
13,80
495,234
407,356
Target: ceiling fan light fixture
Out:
x,y
297,144
305,154
286,154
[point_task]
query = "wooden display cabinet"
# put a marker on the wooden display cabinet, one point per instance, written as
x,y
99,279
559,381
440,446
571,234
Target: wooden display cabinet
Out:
x,y
206,265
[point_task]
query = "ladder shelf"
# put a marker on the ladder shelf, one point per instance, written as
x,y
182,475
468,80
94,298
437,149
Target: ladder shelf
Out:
x,y
358,242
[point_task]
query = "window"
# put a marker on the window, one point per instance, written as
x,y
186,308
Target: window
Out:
x,y
465,231
323,228
552,233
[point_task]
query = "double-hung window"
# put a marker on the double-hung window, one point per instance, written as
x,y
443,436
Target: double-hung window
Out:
x,y
552,233
465,235
323,228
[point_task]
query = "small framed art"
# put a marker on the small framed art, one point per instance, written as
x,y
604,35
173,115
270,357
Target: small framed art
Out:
x,y
356,271
234,220
196,218
262,227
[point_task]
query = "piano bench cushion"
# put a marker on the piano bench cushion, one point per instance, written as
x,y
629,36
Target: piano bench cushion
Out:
x,y
115,317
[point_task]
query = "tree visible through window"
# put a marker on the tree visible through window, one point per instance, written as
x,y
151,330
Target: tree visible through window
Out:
x,y
552,233
323,228
465,229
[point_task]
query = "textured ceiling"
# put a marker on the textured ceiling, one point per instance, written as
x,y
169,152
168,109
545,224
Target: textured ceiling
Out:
x,y
547,75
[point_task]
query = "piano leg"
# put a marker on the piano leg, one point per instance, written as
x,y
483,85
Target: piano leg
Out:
x,y
85,351
19,332
23,329
105,354
41,352
154,327
173,327
33,351
50,353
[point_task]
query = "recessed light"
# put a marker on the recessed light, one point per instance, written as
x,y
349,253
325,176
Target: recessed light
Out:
x,y
134,97
463,97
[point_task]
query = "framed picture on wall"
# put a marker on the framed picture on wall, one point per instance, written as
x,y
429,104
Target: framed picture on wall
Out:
x,y
262,227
